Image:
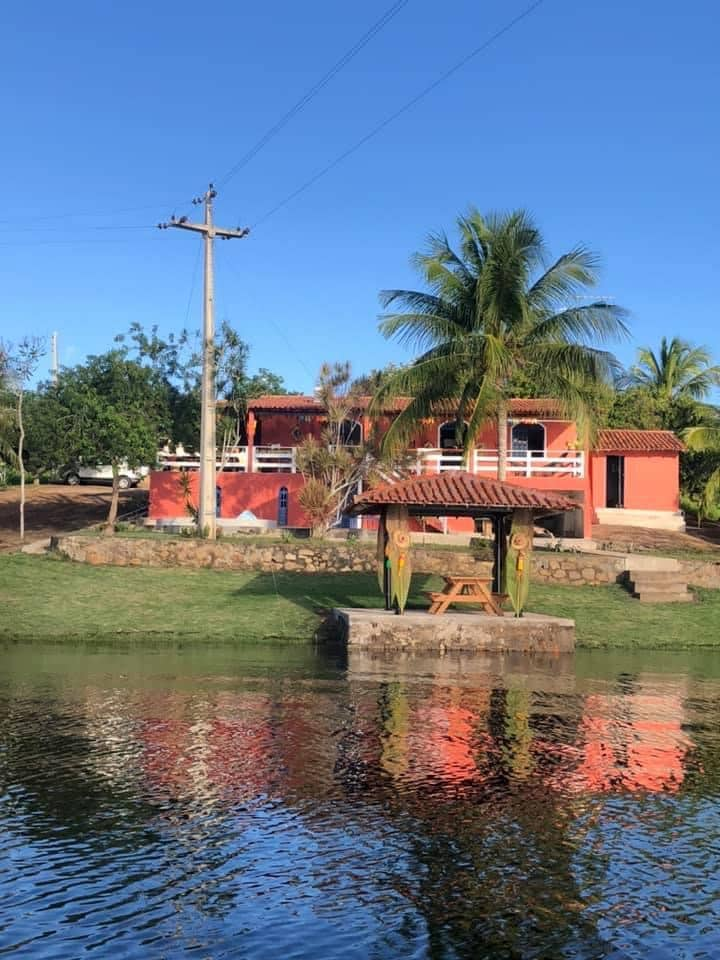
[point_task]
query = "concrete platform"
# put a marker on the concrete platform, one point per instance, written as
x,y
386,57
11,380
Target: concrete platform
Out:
x,y
468,632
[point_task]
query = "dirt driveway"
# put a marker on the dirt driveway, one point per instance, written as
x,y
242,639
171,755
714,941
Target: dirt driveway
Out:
x,y
55,508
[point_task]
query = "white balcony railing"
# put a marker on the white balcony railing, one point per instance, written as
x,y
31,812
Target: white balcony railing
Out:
x,y
440,461
550,463
234,458
273,459
277,459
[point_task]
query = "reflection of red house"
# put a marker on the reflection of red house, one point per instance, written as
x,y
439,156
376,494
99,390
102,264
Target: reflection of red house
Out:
x,y
629,475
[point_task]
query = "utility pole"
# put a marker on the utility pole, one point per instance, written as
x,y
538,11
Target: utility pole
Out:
x,y
208,443
54,359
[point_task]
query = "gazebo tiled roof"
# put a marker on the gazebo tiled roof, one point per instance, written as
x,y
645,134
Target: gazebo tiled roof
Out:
x,y
459,491
638,441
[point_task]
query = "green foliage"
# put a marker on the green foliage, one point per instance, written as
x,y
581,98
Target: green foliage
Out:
x,y
177,362
704,440
332,468
45,438
678,369
369,383
492,312
111,410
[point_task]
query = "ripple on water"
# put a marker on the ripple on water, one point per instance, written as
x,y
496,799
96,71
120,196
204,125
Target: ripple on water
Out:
x,y
157,806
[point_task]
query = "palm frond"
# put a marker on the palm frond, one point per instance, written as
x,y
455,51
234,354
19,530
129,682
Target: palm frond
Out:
x,y
703,438
601,321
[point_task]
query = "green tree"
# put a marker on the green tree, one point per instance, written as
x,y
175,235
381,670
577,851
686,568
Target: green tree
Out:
x,y
369,383
20,363
177,361
678,369
44,441
494,310
334,466
112,410
705,438
7,413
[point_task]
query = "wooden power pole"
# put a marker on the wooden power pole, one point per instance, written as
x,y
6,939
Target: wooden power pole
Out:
x,y
208,443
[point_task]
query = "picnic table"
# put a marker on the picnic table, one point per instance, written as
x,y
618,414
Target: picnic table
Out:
x,y
466,590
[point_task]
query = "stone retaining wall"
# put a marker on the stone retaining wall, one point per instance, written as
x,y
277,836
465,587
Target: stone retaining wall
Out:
x,y
244,555
578,569
700,573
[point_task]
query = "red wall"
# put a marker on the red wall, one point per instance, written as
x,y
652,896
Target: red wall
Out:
x,y
257,492
652,481
278,428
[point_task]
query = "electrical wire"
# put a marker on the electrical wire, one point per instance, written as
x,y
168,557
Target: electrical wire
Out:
x,y
349,55
403,109
98,213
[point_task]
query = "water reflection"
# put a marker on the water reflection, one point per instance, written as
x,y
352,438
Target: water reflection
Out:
x,y
222,804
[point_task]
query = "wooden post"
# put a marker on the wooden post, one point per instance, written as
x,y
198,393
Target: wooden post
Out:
x,y
386,569
499,553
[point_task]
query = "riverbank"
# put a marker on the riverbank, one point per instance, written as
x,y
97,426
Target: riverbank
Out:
x,y
50,599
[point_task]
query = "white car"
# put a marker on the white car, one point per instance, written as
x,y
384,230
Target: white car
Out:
x,y
103,474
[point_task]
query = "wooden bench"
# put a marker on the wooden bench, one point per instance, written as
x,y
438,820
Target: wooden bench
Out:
x,y
466,590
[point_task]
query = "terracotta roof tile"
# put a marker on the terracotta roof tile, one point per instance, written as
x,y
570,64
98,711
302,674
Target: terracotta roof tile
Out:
x,y
289,403
285,403
534,407
460,490
641,441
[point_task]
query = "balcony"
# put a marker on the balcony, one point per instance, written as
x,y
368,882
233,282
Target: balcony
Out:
x,y
280,459
273,459
549,463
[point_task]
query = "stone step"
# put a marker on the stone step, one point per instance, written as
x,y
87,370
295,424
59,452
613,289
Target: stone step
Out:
x,y
658,576
645,583
663,596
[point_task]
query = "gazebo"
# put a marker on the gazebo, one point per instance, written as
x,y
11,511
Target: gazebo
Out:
x,y
456,494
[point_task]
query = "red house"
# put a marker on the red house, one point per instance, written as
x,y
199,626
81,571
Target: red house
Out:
x,y
630,476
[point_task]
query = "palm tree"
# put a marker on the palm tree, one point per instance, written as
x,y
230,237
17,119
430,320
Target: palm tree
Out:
x,y
495,311
677,370
705,438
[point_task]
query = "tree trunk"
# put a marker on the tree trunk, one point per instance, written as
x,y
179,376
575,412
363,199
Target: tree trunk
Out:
x,y
114,500
502,425
21,465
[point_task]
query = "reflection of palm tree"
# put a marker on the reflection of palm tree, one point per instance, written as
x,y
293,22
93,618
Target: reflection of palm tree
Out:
x,y
491,868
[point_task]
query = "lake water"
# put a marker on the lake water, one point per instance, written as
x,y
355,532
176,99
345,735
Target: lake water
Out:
x,y
289,803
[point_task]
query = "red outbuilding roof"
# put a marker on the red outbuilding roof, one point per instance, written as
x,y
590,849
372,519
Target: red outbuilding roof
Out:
x,y
638,441
460,491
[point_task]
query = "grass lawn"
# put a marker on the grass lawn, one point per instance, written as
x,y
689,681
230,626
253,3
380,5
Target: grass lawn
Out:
x,y
47,598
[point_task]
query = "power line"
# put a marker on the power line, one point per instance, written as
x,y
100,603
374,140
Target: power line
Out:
x,y
97,213
398,113
314,90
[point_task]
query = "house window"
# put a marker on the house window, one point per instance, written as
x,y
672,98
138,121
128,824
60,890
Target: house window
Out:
x,y
350,433
447,436
283,507
528,438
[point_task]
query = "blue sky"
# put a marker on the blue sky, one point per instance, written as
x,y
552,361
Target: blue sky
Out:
x,y
601,118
